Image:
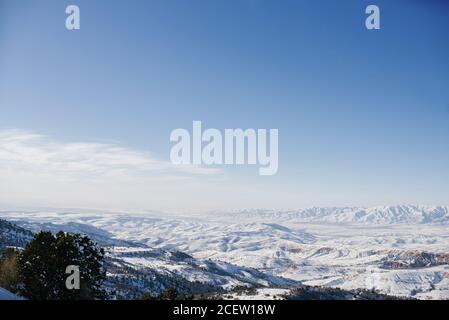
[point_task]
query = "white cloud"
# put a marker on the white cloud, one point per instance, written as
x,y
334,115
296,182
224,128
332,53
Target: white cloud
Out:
x,y
29,152
36,170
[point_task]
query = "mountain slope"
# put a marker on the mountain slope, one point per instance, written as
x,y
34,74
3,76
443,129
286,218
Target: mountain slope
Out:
x,y
135,268
397,250
12,235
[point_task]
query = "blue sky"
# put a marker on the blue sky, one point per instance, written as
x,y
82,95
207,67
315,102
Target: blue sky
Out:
x,y
362,115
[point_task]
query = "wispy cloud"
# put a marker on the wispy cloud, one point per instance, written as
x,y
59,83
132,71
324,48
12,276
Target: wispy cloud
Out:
x,y
30,152
36,170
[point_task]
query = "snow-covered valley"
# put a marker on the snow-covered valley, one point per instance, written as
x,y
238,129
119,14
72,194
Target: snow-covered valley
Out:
x,y
402,250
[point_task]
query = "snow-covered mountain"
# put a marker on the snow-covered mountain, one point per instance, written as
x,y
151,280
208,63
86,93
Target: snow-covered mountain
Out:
x,y
135,269
12,235
152,271
405,214
400,250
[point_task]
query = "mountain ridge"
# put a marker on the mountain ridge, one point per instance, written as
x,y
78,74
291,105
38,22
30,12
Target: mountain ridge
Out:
x,y
400,214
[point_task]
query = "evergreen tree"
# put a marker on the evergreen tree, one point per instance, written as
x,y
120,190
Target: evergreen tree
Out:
x,y
43,263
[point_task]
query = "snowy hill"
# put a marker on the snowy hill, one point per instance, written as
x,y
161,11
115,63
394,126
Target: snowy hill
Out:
x,y
397,250
152,271
12,235
135,269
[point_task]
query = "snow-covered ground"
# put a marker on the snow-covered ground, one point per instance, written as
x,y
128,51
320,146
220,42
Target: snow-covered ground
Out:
x,y
173,263
6,295
401,250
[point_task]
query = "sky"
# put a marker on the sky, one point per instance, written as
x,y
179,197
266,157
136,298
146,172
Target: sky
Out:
x,y
86,115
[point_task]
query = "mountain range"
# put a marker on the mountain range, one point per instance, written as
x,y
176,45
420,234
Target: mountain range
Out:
x,y
395,250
